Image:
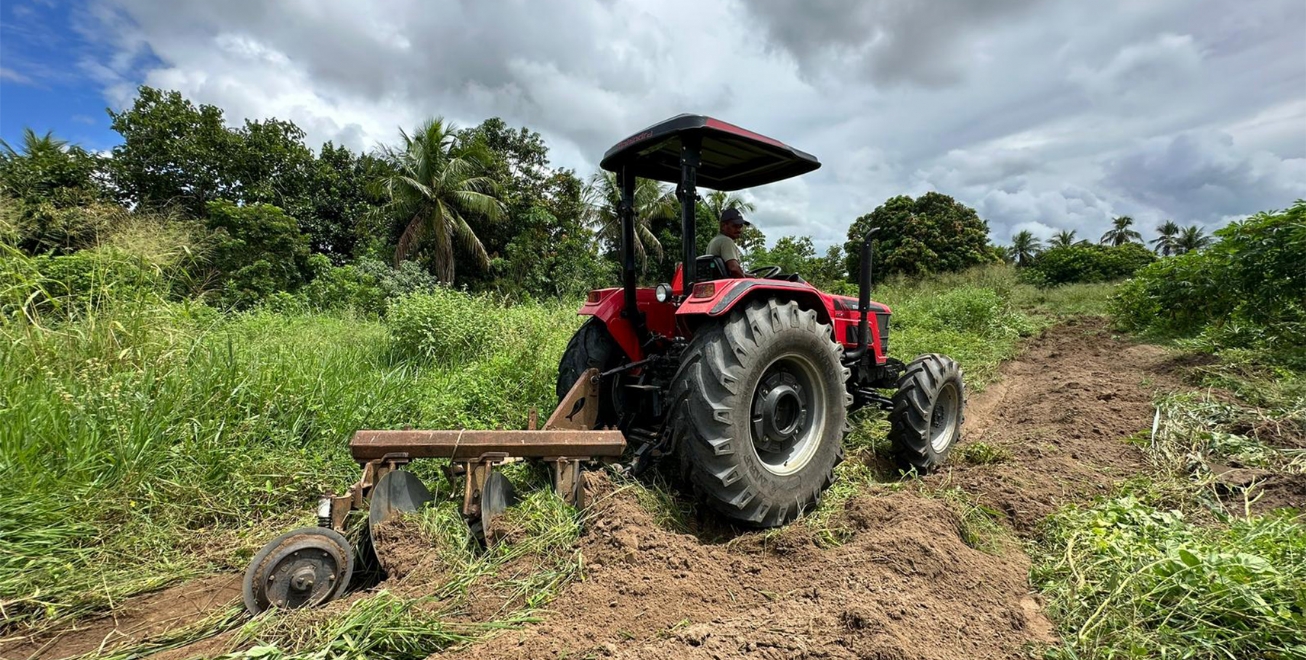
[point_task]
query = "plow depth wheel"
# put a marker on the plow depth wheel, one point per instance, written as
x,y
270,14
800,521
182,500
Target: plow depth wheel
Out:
x,y
305,567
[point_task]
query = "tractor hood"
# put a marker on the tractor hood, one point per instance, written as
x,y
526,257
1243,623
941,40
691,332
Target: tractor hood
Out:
x,y
732,157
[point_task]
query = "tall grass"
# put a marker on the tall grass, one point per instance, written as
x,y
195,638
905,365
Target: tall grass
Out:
x,y
133,426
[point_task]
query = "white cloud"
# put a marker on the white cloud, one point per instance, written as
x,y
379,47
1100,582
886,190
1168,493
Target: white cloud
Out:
x,y
14,77
1041,115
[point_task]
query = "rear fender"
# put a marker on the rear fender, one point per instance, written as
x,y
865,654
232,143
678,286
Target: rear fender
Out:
x,y
608,306
726,295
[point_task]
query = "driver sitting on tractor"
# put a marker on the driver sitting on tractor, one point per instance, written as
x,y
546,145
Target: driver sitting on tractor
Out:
x,y
723,245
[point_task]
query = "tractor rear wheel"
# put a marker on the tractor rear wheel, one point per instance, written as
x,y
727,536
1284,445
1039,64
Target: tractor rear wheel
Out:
x,y
759,412
592,347
928,410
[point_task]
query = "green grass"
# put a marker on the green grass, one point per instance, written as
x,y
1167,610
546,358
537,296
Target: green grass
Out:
x,y
1127,579
143,441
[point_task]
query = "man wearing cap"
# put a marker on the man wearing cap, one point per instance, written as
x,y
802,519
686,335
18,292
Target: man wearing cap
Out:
x,y
723,245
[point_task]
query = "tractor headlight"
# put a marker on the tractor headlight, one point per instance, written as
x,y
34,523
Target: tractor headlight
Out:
x,y
662,292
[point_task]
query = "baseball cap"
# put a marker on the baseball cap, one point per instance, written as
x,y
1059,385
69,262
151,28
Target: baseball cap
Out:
x,y
733,216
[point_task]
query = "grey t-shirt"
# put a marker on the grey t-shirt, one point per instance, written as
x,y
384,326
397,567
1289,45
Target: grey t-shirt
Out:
x,y
722,246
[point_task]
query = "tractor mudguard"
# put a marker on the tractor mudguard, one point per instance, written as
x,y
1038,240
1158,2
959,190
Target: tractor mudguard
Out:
x,y
719,297
606,305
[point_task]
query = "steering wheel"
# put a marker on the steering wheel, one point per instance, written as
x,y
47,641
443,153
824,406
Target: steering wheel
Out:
x,y
764,272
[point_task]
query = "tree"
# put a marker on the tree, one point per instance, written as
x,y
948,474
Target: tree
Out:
x,y
749,238
1120,233
1024,247
716,202
1063,238
173,153
436,188
48,169
1190,239
341,202
1164,243
932,233
653,201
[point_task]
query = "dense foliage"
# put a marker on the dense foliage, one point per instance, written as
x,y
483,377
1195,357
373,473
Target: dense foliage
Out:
x,y
1247,289
1088,263
933,233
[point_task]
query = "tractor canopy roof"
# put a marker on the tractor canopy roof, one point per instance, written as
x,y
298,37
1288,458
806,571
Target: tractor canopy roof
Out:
x,y
732,158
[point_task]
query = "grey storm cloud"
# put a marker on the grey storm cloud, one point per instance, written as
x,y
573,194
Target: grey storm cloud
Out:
x,y
1203,177
889,41
1043,115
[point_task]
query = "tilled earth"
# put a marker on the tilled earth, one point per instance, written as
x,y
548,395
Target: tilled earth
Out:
x,y
903,584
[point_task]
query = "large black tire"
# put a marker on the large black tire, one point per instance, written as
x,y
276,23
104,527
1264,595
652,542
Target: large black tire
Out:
x,y
928,411
592,347
759,412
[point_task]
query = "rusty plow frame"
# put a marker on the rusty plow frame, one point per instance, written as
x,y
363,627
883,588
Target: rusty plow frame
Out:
x,y
317,572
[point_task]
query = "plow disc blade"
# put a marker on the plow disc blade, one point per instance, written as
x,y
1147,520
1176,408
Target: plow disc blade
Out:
x,y
497,495
397,493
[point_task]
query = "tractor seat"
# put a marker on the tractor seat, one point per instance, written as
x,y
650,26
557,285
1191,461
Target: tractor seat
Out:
x,y
710,267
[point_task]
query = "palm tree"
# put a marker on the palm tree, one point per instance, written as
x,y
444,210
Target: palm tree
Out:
x,y
717,202
1120,233
1024,247
1190,239
653,201
1164,243
1063,238
438,185
35,145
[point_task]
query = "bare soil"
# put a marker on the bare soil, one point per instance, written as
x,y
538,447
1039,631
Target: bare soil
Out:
x,y
903,585
1060,412
132,621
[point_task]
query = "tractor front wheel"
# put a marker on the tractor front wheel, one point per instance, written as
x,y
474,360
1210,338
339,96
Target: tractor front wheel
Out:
x,y
759,412
925,423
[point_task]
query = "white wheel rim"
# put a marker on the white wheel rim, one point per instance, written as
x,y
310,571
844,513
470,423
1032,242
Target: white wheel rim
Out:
x,y
790,415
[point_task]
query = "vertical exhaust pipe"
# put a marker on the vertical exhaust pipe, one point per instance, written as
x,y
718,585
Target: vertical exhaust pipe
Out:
x,y
863,299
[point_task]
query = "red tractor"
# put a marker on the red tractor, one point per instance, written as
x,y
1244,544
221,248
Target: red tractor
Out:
x,y
745,384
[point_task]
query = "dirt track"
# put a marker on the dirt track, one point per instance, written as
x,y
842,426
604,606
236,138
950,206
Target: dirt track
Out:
x,y
904,585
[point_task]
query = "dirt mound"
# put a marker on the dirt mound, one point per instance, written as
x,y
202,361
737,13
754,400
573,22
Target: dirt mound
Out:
x,y
904,586
1059,414
403,550
133,621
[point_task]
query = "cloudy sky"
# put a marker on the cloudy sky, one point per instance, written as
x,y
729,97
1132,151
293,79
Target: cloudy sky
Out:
x,y
1042,114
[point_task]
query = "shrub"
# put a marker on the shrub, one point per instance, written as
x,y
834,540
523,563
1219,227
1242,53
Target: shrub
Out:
x,y
257,249
1248,289
1088,263
366,286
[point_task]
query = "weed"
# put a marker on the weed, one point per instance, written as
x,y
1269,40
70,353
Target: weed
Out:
x,y
982,453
